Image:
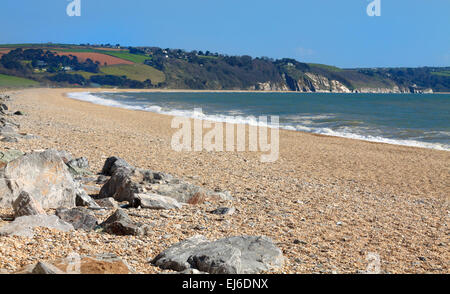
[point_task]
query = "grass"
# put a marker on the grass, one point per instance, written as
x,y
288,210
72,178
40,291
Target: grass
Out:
x,y
119,54
442,73
138,72
85,74
128,56
123,54
11,81
326,67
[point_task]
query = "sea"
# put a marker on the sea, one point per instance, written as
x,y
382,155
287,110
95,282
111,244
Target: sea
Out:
x,y
420,120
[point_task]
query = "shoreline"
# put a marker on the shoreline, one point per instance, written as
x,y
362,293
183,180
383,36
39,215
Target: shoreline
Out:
x,y
210,91
326,202
369,138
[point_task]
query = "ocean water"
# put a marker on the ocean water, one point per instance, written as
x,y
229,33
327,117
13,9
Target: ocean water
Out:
x,y
421,120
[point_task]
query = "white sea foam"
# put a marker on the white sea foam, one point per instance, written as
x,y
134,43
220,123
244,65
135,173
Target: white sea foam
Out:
x,y
305,119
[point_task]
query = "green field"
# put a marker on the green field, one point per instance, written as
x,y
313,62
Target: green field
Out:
x,y
326,67
11,81
128,56
138,72
123,54
442,73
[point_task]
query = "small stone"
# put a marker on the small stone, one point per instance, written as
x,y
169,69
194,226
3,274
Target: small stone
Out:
x,y
224,211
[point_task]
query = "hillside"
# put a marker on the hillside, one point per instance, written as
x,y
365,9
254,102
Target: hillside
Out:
x,y
153,67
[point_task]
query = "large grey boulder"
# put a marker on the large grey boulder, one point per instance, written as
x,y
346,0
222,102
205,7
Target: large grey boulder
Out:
x,y
234,255
79,218
23,226
25,204
114,163
42,174
155,201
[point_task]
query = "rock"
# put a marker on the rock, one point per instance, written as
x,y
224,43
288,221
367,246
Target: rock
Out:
x,y
65,156
234,255
119,223
224,211
42,174
79,167
3,106
98,264
114,163
8,128
155,201
18,112
79,218
126,184
10,139
226,195
107,203
9,155
120,187
91,190
23,226
25,204
43,268
198,198
182,192
29,137
101,180
191,271
75,264
84,200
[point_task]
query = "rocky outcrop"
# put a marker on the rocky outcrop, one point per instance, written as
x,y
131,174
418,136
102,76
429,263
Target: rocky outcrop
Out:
x,y
270,86
310,82
234,255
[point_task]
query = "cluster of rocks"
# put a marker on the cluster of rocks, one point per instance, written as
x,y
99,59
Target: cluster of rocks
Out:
x,y
53,180
9,128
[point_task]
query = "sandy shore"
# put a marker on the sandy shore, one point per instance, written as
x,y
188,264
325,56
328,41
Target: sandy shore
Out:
x,y
327,202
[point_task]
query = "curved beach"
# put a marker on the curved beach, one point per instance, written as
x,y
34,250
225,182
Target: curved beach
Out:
x,y
327,202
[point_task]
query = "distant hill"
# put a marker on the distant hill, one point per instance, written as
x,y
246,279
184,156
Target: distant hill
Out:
x,y
152,67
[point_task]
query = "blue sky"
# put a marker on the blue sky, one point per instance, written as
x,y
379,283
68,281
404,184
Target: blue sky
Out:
x,y
408,32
